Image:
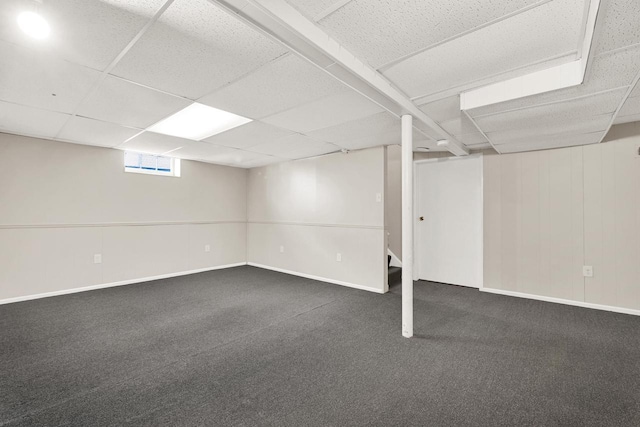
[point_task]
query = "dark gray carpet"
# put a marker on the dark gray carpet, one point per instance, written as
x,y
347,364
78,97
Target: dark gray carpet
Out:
x,y
245,346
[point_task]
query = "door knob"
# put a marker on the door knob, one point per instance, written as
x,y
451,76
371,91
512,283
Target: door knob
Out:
x,y
421,218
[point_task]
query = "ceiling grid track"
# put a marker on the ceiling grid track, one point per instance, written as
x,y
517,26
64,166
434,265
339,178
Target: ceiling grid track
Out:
x,y
558,101
622,102
462,34
546,80
481,131
284,23
331,9
437,96
115,61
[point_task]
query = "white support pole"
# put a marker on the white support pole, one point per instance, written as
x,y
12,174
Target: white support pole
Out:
x,y
407,226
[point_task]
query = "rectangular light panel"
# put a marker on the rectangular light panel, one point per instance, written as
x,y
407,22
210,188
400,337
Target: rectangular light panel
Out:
x,y
197,122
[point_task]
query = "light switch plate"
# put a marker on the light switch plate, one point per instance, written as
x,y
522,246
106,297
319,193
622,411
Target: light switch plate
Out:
x,y
378,197
587,271
207,248
339,257
97,259
281,249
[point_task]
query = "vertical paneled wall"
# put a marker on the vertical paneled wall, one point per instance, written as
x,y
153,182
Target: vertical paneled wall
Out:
x,y
302,214
61,204
612,218
548,213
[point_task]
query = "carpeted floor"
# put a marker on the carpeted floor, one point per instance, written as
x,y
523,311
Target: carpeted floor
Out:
x,y
246,346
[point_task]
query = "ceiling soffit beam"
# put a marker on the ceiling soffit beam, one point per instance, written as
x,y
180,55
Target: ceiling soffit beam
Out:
x,y
554,78
283,22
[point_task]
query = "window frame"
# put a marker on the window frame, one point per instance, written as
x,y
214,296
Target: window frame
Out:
x,y
174,170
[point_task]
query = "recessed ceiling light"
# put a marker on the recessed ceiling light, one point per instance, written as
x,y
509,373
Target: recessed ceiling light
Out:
x,y
34,25
442,143
197,122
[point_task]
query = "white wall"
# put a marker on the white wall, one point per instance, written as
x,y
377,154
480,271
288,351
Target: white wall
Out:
x,y
393,200
316,208
548,213
62,203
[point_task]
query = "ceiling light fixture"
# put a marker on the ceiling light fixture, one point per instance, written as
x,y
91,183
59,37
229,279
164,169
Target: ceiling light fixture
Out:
x,y
442,143
33,24
197,122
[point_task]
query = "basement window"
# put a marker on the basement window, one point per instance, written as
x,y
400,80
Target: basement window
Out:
x,y
151,164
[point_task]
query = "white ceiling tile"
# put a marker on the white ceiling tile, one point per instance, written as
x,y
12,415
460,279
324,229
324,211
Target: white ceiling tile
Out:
x,y
443,109
422,129
198,150
386,138
296,143
608,71
312,8
379,31
574,126
30,121
312,150
90,33
129,104
95,132
459,126
372,126
37,79
325,112
620,27
560,114
263,161
471,139
549,142
277,86
631,107
195,48
154,143
233,157
627,119
547,31
250,134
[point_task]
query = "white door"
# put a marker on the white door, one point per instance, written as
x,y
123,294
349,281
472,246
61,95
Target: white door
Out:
x,y
448,238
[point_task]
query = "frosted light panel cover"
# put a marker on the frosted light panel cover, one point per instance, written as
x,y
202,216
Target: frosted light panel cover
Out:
x,y
197,122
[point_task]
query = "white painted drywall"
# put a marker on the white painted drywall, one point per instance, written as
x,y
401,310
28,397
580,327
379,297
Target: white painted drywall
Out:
x,y
319,207
63,203
548,213
393,200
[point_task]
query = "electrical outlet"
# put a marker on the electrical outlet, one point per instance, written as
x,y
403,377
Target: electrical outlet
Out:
x,y
97,259
339,257
587,271
378,197
281,249
207,248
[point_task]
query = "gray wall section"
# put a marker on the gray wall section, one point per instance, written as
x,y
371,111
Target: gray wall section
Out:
x,y
63,203
548,213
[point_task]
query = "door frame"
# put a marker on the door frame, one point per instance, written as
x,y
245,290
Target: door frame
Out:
x,y
416,188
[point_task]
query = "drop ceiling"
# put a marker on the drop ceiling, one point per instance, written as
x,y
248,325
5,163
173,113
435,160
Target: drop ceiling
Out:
x,y
113,68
